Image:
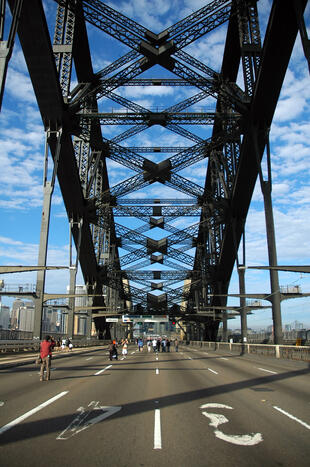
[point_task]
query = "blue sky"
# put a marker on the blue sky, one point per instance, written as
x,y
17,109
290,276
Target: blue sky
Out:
x,y
22,152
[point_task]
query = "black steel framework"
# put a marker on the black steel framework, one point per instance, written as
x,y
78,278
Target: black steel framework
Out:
x,y
197,262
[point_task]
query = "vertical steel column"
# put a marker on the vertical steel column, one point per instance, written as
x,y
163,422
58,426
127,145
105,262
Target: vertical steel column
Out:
x,y
224,320
6,47
303,30
73,271
243,308
266,187
48,188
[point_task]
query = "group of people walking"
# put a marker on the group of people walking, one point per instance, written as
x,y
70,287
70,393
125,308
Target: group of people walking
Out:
x,y
49,344
113,348
158,344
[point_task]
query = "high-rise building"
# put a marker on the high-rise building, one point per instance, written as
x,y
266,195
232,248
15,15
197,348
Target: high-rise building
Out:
x,y
26,317
4,316
16,306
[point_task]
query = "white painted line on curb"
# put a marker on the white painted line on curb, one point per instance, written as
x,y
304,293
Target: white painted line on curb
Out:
x,y
31,412
268,371
292,417
157,371
101,371
157,430
215,372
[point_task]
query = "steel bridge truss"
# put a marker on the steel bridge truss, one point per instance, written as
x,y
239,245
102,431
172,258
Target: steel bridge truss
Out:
x,y
193,265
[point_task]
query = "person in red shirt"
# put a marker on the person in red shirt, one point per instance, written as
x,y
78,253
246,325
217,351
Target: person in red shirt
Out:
x,y
45,354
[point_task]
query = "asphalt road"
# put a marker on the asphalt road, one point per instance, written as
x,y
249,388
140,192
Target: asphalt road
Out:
x,y
191,408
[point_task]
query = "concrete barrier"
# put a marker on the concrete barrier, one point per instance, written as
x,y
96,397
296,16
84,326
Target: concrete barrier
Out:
x,y
290,352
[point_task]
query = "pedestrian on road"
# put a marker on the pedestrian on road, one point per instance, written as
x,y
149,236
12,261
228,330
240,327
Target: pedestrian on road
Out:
x,y
176,345
140,345
125,350
168,345
46,355
113,351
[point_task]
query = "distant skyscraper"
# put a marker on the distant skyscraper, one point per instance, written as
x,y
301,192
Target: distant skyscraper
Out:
x,y
26,317
16,306
4,316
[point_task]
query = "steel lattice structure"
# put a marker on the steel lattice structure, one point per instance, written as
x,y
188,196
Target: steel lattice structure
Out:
x,y
196,262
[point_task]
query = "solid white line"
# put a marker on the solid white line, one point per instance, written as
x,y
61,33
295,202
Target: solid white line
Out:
x,y
101,371
157,430
31,412
89,358
292,417
215,372
157,371
268,371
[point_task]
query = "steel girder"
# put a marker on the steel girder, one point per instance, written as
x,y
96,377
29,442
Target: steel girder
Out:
x,y
223,202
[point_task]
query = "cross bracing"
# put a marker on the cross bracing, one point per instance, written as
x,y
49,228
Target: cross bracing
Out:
x,y
212,172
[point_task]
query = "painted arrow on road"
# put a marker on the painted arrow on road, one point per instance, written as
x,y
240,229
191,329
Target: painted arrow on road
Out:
x,y
82,421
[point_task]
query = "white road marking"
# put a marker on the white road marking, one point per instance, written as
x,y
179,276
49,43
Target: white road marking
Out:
x,y
268,371
206,353
1,403
89,358
292,417
157,371
218,419
223,358
31,412
189,358
215,372
156,358
101,371
80,424
157,430
132,353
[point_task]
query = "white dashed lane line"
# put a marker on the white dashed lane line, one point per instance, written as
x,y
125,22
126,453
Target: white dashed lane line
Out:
x,y
267,371
101,371
157,430
31,412
292,417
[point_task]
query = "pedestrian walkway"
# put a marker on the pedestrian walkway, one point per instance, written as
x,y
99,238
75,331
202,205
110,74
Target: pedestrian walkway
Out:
x,y
20,358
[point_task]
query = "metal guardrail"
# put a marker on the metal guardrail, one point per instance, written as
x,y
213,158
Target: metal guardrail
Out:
x,y
290,352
